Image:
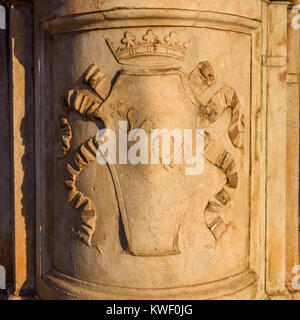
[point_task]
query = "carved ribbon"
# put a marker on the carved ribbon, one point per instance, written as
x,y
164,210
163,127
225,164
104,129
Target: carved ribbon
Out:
x,y
99,81
87,105
81,160
84,104
223,99
200,79
65,136
224,161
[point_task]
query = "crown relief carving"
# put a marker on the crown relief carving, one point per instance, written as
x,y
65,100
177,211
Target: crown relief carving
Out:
x,y
149,45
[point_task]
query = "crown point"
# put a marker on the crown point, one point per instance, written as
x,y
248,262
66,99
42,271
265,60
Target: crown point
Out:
x,y
129,40
171,39
150,37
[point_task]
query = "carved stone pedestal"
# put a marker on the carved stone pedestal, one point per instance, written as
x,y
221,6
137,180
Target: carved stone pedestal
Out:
x,y
225,69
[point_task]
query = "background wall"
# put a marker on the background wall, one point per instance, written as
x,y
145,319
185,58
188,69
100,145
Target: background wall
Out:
x,y
5,187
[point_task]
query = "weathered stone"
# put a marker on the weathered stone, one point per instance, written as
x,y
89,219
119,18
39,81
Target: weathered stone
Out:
x,y
127,230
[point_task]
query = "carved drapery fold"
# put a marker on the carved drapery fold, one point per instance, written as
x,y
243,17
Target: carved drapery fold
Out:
x,y
86,155
224,161
65,132
201,78
227,98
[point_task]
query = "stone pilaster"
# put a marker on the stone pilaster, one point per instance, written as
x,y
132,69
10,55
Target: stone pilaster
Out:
x,y
22,147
